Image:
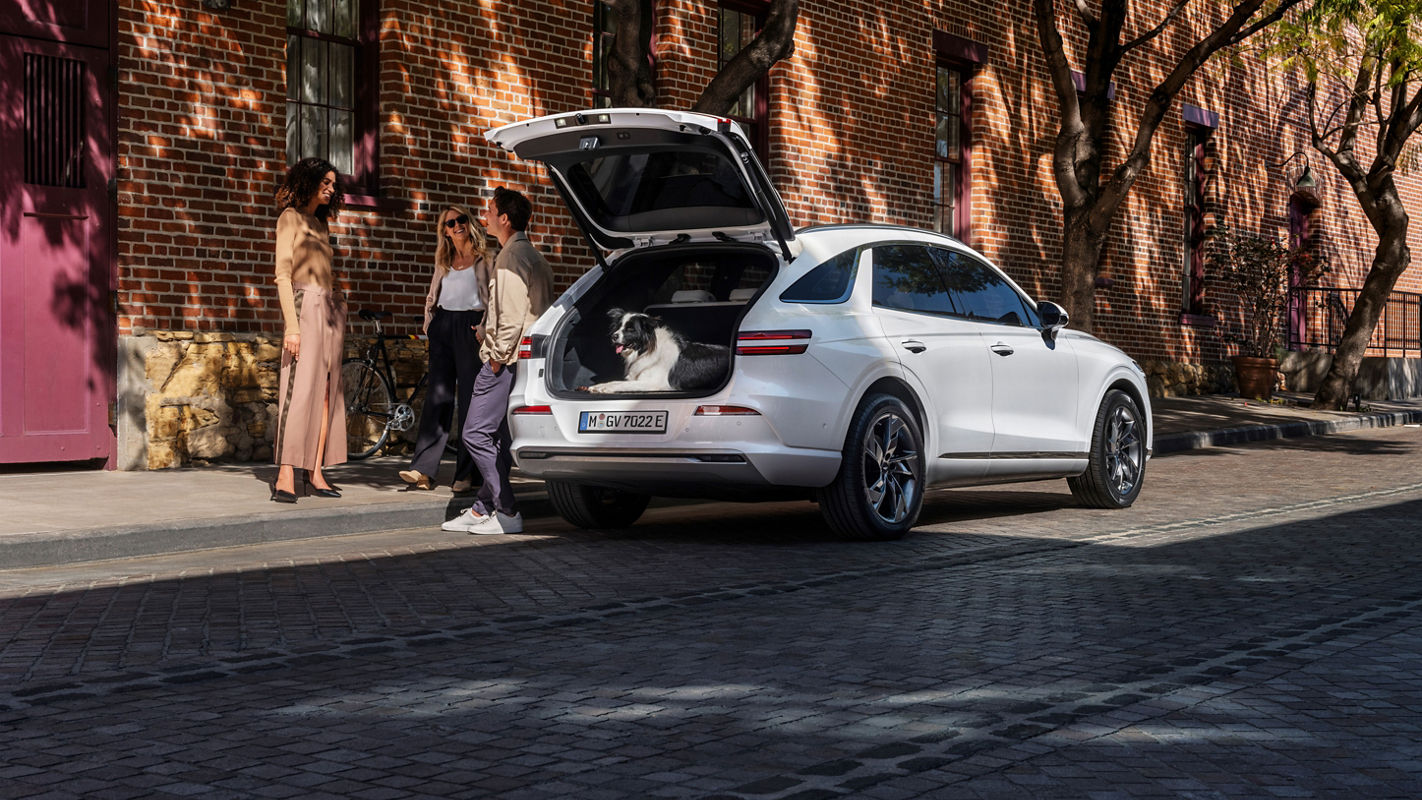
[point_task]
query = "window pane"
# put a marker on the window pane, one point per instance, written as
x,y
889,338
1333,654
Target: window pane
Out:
x,y
294,13
602,46
830,282
342,148
342,78
636,191
946,133
949,100
318,15
944,221
313,132
906,278
293,73
730,35
345,21
293,132
980,292
313,69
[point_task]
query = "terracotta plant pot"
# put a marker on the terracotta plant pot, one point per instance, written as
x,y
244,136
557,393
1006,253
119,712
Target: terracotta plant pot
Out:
x,y
1255,377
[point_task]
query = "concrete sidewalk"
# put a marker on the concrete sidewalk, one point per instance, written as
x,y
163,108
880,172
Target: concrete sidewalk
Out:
x,y
58,516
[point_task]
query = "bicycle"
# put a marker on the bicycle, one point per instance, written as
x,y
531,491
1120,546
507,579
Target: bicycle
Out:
x,y
373,409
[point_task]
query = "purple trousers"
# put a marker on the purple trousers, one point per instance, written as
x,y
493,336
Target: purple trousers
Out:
x,y
486,436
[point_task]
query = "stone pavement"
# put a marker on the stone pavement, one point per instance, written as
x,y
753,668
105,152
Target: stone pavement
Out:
x,y
57,516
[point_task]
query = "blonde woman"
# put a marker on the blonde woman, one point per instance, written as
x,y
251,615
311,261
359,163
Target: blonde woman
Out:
x,y
310,402
454,310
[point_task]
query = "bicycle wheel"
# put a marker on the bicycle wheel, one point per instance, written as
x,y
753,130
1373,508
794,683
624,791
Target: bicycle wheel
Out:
x,y
369,404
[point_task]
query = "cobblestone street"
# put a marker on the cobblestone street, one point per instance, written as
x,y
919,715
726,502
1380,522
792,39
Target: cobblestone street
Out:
x,y
1250,628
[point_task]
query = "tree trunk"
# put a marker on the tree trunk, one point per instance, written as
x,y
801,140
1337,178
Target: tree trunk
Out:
x,y
1081,260
1390,260
629,72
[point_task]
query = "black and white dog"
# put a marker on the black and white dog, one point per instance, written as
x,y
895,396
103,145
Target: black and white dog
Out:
x,y
659,359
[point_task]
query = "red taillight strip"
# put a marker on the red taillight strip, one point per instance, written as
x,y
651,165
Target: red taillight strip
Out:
x,y
772,343
525,347
533,410
725,411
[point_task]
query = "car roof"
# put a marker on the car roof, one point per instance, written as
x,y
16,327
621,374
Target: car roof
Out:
x,y
838,237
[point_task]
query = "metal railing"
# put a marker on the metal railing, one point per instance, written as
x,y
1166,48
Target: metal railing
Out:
x,y
1317,316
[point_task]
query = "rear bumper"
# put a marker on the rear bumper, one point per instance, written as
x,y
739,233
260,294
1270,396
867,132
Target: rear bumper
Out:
x,y
678,471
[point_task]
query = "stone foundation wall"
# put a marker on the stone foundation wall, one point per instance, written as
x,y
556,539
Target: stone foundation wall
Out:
x,y
1177,379
190,399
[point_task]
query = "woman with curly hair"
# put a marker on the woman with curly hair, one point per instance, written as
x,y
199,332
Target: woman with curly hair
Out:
x,y
310,401
454,309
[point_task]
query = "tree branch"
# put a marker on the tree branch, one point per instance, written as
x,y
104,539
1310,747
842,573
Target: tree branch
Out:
x,y
1154,32
1084,11
775,41
1072,129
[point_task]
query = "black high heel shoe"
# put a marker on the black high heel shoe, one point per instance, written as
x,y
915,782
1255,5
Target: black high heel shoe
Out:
x,y
331,491
280,496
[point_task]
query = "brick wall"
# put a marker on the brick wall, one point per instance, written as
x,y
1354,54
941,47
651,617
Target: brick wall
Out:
x,y
201,149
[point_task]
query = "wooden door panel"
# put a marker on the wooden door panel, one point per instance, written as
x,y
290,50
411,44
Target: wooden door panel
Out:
x,y
73,21
57,333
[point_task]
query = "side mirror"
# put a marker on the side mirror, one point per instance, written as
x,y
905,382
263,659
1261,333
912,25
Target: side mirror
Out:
x,y
1054,318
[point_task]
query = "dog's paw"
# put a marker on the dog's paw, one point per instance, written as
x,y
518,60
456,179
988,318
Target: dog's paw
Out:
x,y
600,388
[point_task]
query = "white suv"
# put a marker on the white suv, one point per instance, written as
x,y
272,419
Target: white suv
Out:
x,y
867,363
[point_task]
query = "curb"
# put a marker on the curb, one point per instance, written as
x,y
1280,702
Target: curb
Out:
x,y
1181,442
56,548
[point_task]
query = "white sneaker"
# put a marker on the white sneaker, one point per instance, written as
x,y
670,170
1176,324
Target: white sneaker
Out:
x,y
498,522
465,522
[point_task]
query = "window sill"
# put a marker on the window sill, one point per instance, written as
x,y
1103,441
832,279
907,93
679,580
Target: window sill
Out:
x,y
370,202
1189,320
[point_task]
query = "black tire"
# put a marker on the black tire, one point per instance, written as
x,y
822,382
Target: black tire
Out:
x,y
1117,462
878,492
369,405
594,507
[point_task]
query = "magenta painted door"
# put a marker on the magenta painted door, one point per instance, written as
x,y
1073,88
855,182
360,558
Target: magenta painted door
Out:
x,y
57,328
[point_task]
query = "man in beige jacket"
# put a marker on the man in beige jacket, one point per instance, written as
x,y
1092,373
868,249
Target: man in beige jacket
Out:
x,y
520,290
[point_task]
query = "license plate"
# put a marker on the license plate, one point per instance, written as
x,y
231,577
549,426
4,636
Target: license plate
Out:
x,y
622,422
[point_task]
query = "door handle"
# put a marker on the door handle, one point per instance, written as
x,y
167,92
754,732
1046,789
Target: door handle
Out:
x,y
914,345
1002,349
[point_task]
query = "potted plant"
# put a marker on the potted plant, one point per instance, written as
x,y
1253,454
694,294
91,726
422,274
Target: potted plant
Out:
x,y
1256,272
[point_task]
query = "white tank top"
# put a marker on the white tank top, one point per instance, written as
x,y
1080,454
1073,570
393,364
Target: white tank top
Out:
x,y
459,291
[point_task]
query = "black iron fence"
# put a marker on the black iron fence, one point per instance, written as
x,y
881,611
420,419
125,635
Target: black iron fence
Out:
x,y
1316,318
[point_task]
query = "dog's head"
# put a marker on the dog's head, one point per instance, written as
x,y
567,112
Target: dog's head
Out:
x,y
632,332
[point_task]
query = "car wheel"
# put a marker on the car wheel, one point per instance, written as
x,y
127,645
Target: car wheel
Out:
x,y
595,507
1116,465
879,489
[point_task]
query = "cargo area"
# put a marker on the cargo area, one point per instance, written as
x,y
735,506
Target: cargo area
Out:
x,y
699,291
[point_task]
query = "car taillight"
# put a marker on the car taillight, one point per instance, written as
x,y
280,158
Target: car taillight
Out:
x,y
525,347
725,411
771,343
533,410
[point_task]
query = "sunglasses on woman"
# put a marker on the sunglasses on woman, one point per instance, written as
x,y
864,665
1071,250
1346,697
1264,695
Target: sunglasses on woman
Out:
x,y
462,219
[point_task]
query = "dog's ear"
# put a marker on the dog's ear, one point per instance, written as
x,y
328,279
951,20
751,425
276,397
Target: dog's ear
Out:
x,y
615,314
646,327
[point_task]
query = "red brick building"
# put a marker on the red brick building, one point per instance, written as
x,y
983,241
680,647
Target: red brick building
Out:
x,y
935,114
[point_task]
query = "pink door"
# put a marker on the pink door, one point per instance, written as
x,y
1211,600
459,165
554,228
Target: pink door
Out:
x,y
57,328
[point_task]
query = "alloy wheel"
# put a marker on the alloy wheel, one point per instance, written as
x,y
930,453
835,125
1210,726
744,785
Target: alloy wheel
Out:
x,y
891,468
1124,450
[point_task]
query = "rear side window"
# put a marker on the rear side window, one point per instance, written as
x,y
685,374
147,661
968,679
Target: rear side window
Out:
x,y
980,293
830,282
906,278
